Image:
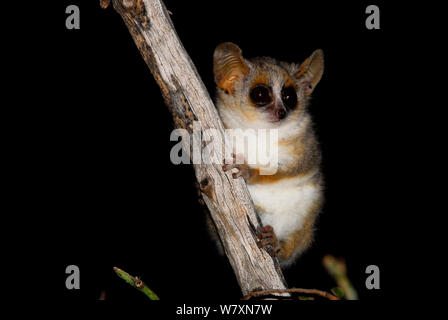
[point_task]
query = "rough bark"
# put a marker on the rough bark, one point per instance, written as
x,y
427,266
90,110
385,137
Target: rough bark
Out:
x,y
185,95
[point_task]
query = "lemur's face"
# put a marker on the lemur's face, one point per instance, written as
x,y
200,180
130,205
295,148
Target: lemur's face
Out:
x,y
263,90
271,90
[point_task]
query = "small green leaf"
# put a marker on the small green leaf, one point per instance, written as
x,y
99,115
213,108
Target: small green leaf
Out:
x,y
338,292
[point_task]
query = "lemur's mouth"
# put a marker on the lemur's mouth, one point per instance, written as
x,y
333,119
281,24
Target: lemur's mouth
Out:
x,y
275,121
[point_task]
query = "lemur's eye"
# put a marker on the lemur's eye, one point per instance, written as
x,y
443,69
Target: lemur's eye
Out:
x,y
289,97
260,95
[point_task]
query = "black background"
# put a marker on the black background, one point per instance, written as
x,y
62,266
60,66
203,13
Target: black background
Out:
x,y
106,193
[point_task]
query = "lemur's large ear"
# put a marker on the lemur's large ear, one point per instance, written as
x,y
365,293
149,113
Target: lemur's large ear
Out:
x,y
228,65
311,70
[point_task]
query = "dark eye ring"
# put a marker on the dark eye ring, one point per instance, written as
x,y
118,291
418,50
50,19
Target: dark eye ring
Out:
x,y
261,95
289,97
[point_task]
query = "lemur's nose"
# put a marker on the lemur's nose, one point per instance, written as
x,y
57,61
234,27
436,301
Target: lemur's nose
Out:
x,y
281,113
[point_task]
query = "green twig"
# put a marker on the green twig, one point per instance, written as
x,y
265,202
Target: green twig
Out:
x,y
338,270
136,283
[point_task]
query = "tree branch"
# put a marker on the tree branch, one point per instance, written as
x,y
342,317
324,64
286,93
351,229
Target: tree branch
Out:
x,y
185,95
136,283
316,292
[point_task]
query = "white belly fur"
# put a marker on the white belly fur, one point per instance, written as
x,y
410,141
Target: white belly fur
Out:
x,y
285,203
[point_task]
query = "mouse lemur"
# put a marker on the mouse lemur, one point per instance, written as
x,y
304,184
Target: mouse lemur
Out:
x,y
265,93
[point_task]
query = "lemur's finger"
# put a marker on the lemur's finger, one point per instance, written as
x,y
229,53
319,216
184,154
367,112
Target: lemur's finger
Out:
x,y
236,175
228,167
